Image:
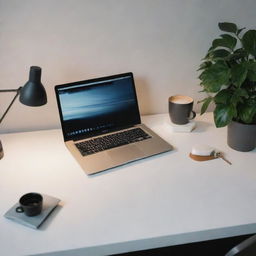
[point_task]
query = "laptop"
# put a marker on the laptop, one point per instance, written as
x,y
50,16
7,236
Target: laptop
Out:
x,y
101,123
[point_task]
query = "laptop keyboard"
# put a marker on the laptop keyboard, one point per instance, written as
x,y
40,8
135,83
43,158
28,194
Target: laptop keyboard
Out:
x,y
92,146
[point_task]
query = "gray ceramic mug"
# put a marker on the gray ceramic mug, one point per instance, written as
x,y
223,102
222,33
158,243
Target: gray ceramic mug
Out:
x,y
180,109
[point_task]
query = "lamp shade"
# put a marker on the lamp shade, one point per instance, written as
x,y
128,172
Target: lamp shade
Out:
x,y
33,92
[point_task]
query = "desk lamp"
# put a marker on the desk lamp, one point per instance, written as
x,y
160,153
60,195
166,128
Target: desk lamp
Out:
x,y
31,94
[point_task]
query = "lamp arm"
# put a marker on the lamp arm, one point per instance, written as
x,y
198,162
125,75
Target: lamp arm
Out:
x,y
14,98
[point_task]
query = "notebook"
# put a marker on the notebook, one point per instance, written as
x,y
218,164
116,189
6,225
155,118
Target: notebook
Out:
x,y
101,123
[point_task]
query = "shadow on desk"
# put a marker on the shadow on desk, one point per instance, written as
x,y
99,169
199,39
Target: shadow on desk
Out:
x,y
202,126
217,247
132,163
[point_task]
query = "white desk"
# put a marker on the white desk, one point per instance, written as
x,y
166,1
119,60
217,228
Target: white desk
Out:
x,y
164,200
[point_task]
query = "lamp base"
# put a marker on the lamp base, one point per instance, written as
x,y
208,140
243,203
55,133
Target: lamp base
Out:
x,y
1,151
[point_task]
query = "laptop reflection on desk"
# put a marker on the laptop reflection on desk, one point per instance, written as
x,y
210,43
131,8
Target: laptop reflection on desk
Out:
x,y
101,123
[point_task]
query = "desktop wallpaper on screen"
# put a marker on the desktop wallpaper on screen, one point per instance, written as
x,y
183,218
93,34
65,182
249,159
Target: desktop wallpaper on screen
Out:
x,y
95,107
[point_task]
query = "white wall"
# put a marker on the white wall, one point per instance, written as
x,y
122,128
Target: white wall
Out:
x,y
161,41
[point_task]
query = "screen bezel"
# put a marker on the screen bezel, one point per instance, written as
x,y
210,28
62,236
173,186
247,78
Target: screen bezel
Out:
x,y
94,80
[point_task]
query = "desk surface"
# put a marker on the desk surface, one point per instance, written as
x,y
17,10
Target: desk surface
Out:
x,y
163,200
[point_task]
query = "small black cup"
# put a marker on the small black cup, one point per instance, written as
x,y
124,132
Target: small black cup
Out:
x,y
31,204
180,109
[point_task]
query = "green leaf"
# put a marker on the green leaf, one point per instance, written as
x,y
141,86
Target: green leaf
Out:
x,y
228,27
207,56
215,76
240,92
205,105
226,41
223,96
251,65
249,42
223,115
217,42
240,95
210,49
238,54
220,53
204,65
221,42
230,40
240,51
251,76
251,71
238,74
247,112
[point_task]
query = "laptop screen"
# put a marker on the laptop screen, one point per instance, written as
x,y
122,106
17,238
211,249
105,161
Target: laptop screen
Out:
x,y
97,106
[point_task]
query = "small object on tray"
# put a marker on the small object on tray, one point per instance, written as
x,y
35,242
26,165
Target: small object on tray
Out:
x,y
34,222
205,153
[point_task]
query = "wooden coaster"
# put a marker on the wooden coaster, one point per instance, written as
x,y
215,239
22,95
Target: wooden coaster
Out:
x,y
202,158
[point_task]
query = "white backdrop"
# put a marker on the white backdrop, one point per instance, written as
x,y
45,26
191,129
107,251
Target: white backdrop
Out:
x,y
161,41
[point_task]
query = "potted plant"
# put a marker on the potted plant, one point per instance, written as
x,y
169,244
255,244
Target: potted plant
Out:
x,y
228,77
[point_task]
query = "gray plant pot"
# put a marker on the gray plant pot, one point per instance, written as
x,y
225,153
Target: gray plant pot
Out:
x,y
242,137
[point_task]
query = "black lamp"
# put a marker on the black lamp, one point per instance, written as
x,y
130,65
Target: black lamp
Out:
x,y
31,94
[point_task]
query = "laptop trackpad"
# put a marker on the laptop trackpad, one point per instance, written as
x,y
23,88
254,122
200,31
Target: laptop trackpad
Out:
x,y
127,153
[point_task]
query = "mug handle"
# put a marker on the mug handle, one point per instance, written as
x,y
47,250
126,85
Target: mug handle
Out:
x,y
193,116
19,209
